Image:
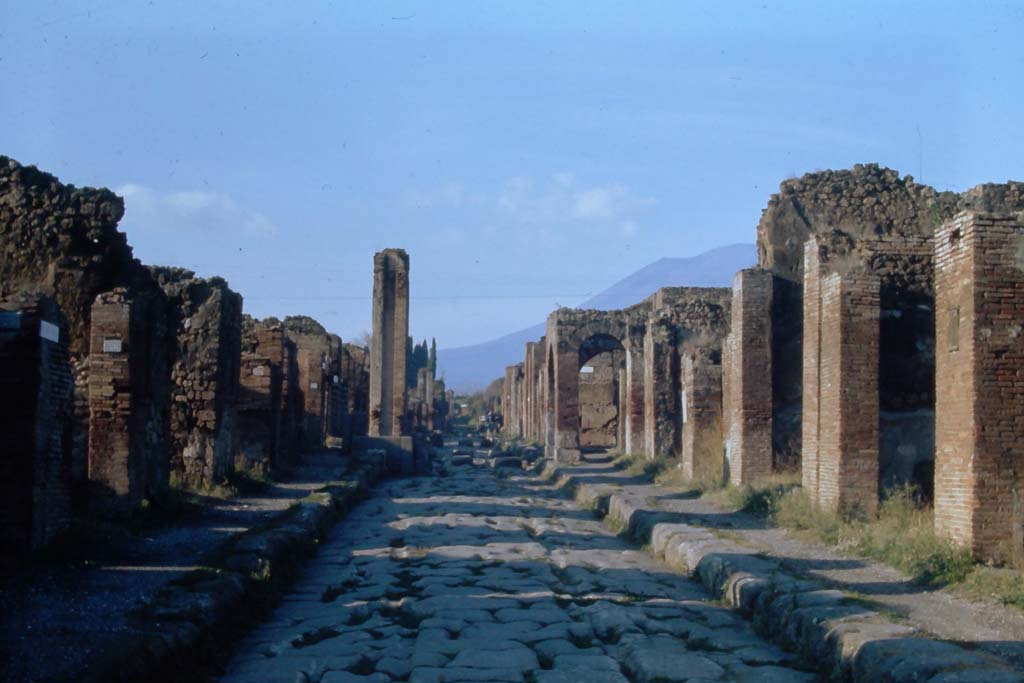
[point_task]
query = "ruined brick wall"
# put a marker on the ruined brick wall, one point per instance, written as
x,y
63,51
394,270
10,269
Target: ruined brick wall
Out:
x,y
336,399
63,241
702,447
661,410
313,347
355,364
980,395
261,380
746,376
205,317
129,401
599,397
847,440
35,420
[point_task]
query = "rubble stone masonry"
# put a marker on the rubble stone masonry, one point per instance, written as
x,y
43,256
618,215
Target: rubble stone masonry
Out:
x,y
979,292
206,321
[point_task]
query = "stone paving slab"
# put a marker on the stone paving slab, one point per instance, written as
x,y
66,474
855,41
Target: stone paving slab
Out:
x,y
750,567
476,576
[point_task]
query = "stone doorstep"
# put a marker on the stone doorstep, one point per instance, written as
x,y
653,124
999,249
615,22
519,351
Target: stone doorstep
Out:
x,y
847,639
183,618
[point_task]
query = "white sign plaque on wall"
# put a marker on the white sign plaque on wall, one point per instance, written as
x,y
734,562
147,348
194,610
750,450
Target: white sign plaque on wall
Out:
x,y
259,371
112,346
49,331
314,385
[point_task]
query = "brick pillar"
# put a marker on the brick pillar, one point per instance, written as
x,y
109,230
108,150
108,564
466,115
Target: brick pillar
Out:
x,y
310,363
622,402
660,438
507,389
633,409
388,343
848,439
810,424
979,356
117,446
566,437
702,446
35,426
260,405
747,365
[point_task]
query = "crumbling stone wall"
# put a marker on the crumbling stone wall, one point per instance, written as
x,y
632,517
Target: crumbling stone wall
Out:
x,y
129,401
261,381
62,241
205,317
980,395
35,411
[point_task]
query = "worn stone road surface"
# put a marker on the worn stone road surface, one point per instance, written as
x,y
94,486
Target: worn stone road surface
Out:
x,y
467,576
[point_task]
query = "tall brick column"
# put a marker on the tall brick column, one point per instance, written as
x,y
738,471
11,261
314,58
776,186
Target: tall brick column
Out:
x,y
848,438
632,411
507,400
35,424
979,356
259,403
747,371
660,375
810,421
387,345
566,436
117,441
702,446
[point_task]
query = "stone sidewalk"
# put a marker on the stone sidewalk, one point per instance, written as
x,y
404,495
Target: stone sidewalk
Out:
x,y
478,575
77,612
901,626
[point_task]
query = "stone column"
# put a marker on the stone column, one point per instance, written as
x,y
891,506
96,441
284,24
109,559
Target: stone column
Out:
x,y
388,343
848,439
748,363
979,409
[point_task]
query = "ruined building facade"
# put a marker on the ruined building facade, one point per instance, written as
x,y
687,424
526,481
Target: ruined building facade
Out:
x,y
122,379
874,345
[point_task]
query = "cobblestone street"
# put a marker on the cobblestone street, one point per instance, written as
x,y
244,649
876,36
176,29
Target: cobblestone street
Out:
x,y
472,575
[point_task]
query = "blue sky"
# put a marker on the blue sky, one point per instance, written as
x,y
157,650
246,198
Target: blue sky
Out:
x,y
525,154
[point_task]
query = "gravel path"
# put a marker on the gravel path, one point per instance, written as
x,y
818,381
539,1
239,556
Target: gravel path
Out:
x,y
469,576
56,617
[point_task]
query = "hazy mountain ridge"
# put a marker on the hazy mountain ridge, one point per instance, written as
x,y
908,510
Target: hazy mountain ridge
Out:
x,y
471,368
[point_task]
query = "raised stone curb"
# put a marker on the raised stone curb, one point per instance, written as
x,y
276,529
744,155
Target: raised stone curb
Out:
x,y
182,628
841,635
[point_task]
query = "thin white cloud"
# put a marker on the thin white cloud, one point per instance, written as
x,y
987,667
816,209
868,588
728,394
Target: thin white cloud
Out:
x,y
150,209
563,199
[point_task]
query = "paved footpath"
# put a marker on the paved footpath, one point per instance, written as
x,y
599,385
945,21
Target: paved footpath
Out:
x,y
467,576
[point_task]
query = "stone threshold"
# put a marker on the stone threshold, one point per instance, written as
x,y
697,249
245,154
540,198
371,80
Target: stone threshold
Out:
x,y
186,628
847,637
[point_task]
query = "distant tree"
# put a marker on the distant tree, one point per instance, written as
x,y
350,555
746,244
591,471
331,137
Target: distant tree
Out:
x,y
362,339
416,358
433,357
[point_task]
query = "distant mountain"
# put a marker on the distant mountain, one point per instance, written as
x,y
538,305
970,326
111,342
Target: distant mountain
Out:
x,y
471,368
